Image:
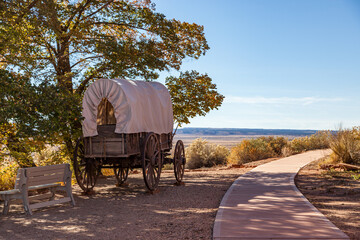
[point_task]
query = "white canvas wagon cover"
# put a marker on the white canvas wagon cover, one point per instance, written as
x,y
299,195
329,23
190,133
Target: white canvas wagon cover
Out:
x,y
139,106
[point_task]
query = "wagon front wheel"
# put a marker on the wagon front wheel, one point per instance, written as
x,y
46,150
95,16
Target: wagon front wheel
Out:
x,y
151,161
121,174
86,169
179,161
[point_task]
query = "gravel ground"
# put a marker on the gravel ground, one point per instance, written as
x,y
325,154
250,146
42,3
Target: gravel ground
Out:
x,y
335,193
130,212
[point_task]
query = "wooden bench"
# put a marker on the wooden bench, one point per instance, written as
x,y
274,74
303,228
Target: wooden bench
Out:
x,y
54,177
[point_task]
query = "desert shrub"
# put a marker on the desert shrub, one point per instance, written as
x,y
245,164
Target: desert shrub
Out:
x,y
200,153
51,155
345,145
250,150
168,166
286,151
8,175
276,143
299,145
220,154
319,140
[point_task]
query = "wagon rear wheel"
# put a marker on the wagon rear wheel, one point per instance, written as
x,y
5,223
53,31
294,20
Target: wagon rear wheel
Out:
x,y
121,174
179,161
151,161
86,169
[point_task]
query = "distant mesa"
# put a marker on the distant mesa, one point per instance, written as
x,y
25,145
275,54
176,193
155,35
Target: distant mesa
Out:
x,y
245,131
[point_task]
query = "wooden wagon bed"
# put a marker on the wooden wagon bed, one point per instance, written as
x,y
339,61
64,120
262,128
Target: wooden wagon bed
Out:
x,y
109,144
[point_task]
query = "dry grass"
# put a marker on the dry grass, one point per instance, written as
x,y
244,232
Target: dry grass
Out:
x,y
228,141
200,153
250,150
335,193
345,145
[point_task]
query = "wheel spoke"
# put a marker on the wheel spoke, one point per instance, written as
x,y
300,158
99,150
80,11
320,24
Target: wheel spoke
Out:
x,y
179,163
153,145
147,162
152,179
154,173
156,153
151,157
86,170
121,174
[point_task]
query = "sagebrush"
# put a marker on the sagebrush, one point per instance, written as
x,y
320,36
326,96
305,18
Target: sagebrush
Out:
x,y
319,140
345,146
250,150
200,153
267,147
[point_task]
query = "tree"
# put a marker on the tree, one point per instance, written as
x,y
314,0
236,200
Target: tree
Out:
x,y
59,47
192,95
16,104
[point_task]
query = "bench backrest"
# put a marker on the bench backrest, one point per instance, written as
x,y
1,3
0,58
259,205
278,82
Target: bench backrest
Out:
x,y
43,175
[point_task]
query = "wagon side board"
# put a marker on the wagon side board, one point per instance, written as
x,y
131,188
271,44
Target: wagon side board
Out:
x,y
109,144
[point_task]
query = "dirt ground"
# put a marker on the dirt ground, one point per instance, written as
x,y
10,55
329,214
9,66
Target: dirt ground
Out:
x,y
130,212
335,193
174,212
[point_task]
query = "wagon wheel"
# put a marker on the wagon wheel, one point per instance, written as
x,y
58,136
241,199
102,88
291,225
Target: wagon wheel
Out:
x,y
121,174
151,161
179,160
86,169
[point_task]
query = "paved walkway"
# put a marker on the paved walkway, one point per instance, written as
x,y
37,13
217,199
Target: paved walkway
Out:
x,y
265,204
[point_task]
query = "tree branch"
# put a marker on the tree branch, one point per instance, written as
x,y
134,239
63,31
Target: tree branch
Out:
x,y
84,59
82,86
82,9
31,5
123,24
79,12
101,8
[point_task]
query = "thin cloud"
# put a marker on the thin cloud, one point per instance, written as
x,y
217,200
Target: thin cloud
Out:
x,y
280,100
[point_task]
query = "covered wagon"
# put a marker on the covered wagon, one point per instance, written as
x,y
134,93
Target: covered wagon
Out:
x,y
127,124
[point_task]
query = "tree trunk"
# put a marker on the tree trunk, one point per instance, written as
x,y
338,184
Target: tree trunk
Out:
x,y
64,80
63,72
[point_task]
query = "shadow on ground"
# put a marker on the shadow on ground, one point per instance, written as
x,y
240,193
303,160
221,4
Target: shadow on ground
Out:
x,y
129,212
336,195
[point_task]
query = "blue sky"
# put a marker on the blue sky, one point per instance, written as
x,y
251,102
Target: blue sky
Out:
x,y
280,63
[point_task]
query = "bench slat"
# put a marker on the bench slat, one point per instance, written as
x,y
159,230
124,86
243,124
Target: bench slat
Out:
x,y
45,180
39,174
34,170
44,186
45,204
40,196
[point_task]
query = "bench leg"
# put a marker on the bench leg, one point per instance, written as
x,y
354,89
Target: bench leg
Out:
x,y
27,209
27,206
25,199
52,190
69,191
72,200
6,205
